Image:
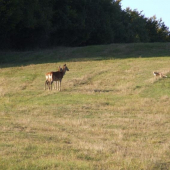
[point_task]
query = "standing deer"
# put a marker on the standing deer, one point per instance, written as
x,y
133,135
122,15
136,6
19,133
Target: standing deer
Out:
x,y
55,76
49,78
56,82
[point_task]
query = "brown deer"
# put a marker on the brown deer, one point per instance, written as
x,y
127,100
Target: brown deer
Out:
x,y
158,74
56,82
55,76
49,78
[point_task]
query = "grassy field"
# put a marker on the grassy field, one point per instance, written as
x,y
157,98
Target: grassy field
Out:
x,y
112,114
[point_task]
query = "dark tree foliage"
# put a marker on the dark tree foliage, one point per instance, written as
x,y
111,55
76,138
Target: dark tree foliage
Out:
x,y
157,30
43,23
24,23
135,27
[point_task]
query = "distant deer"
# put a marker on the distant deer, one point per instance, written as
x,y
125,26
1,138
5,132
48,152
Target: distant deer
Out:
x,y
56,82
49,78
55,76
158,74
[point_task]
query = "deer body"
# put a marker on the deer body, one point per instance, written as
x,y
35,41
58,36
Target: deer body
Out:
x,y
48,77
57,81
55,76
158,74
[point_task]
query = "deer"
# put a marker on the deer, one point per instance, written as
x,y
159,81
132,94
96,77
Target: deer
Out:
x,y
49,78
56,82
159,74
55,76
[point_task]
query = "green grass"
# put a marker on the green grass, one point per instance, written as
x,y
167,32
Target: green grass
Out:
x,y
111,113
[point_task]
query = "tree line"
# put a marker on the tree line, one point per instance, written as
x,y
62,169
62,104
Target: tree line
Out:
x,y
44,23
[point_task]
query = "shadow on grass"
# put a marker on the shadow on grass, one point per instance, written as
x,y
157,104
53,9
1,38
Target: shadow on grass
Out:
x,y
161,166
74,54
103,91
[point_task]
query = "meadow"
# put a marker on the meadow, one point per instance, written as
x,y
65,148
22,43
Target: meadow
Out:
x,y
111,112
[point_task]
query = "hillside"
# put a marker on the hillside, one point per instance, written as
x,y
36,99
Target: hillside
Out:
x,y
112,113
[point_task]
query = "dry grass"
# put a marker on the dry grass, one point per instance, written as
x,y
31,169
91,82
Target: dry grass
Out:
x,y
110,114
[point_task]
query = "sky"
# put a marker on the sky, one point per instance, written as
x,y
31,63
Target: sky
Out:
x,y
159,8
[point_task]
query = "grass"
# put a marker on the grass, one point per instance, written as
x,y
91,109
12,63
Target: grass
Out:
x,y
111,113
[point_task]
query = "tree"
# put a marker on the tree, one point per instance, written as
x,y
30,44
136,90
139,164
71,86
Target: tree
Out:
x,y
10,15
41,23
157,30
135,24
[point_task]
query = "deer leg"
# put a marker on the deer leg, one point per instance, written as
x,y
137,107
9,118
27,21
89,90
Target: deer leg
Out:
x,y
51,84
60,85
46,83
57,85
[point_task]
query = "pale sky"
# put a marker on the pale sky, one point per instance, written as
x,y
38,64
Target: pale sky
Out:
x,y
159,8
